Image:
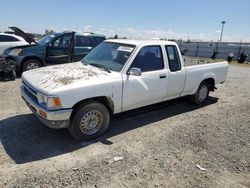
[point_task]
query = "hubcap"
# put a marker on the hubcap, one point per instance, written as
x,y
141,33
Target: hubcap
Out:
x,y
203,93
91,122
32,66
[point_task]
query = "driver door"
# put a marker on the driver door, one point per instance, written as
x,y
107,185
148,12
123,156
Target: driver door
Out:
x,y
151,86
60,50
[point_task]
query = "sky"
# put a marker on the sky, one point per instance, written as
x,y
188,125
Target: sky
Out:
x,y
177,19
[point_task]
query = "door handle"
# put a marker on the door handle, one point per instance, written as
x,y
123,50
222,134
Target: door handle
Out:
x,y
162,76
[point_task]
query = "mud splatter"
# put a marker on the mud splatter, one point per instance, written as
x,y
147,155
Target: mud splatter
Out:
x,y
60,75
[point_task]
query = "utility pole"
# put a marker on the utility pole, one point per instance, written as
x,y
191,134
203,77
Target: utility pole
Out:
x,y
222,28
240,48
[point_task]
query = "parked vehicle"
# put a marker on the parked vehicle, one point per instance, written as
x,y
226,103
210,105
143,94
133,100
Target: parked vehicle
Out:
x,y
55,48
117,76
7,70
9,40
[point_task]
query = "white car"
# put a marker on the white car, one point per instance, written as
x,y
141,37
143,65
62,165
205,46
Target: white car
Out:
x,y
116,76
9,40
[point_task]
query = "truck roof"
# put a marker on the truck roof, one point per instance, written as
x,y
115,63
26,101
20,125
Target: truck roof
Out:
x,y
139,42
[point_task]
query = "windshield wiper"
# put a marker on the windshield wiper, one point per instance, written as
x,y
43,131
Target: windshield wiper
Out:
x,y
84,62
100,66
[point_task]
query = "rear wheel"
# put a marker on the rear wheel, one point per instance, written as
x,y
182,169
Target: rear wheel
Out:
x,y
31,64
201,94
89,121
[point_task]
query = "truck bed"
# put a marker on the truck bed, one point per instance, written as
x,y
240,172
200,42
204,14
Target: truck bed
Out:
x,y
191,61
198,69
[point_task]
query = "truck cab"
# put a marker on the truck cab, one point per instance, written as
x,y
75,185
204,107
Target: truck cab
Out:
x,y
55,48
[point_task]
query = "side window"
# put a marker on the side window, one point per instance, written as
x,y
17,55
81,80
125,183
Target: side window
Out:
x,y
82,41
57,42
99,39
149,59
63,41
1,38
173,58
11,39
5,38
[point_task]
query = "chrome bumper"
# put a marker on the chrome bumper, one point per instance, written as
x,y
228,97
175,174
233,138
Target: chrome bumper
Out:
x,y
55,119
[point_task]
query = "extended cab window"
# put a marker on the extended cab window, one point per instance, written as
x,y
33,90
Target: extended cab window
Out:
x,y
149,59
173,58
82,41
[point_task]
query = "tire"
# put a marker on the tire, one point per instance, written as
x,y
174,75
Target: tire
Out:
x,y
201,94
31,64
13,75
89,121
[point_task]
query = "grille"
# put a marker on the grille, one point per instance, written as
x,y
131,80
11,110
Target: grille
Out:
x,y
30,91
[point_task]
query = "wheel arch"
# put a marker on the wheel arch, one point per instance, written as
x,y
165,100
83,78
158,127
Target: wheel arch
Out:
x,y
106,101
211,83
29,58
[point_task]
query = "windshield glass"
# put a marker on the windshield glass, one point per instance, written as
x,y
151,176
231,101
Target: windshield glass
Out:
x,y
109,55
45,39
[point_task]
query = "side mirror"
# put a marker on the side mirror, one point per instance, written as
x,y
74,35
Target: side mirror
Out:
x,y
50,44
134,71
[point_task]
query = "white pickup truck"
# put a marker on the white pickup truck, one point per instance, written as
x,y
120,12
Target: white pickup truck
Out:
x,y
118,75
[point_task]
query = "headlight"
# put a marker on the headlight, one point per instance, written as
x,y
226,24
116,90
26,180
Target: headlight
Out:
x,y
53,103
50,102
15,52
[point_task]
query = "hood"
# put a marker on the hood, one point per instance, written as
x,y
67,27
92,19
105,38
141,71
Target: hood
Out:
x,y
7,50
22,46
22,34
53,77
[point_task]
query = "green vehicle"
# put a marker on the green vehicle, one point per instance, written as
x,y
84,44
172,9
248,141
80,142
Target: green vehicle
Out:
x,y
55,48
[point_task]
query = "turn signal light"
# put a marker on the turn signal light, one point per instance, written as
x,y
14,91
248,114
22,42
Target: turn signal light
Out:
x,y
57,102
43,114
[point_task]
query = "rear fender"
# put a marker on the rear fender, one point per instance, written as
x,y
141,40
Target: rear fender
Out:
x,y
204,77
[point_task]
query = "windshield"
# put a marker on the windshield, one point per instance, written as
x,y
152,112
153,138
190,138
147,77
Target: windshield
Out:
x,y
109,55
45,39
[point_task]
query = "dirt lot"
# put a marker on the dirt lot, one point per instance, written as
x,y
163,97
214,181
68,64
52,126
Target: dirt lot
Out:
x,y
160,145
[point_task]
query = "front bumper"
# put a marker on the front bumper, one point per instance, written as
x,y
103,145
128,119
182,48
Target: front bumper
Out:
x,y
17,59
55,119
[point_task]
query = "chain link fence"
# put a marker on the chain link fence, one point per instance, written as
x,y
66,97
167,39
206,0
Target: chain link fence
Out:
x,y
208,49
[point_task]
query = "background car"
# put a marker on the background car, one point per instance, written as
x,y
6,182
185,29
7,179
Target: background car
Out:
x,y
9,40
55,48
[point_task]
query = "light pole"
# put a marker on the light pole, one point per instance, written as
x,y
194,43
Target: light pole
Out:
x,y
222,28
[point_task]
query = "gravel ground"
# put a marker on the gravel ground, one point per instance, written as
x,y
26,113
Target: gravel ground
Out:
x,y
159,146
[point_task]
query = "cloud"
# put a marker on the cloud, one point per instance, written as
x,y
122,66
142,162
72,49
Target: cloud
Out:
x,y
87,28
135,33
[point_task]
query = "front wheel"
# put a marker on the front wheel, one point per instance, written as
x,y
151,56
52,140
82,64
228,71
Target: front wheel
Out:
x,y
31,64
13,75
89,121
201,94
